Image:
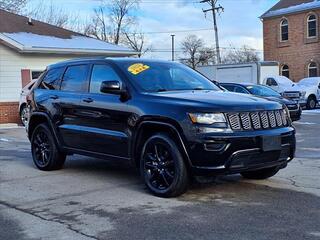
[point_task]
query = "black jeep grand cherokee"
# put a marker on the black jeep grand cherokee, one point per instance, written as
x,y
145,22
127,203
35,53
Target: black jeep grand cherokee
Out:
x,y
165,118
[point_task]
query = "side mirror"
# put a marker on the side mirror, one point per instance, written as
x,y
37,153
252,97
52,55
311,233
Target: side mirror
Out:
x,y
112,87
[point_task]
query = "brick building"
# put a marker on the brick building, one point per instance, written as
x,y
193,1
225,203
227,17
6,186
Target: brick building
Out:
x,y
291,37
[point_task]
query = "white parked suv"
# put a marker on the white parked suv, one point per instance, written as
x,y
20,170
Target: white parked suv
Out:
x,y
23,110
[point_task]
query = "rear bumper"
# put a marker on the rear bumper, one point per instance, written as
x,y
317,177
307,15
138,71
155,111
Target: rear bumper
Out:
x,y
239,153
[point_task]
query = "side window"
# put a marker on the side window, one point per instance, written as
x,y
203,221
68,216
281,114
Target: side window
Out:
x,y
99,74
271,82
229,87
74,78
240,90
51,80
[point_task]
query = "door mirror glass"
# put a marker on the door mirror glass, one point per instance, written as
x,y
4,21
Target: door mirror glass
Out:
x,y
112,87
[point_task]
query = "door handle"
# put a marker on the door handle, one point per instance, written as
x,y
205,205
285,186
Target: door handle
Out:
x,y
87,100
54,97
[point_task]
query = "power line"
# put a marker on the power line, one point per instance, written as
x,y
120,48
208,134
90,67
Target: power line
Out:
x,y
178,31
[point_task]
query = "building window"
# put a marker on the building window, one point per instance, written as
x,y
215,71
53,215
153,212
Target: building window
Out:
x,y
284,30
312,26
35,74
312,69
285,71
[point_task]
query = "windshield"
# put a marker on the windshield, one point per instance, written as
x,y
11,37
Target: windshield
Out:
x,y
262,91
160,77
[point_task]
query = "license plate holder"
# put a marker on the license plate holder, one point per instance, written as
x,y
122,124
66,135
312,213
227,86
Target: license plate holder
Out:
x,y
271,143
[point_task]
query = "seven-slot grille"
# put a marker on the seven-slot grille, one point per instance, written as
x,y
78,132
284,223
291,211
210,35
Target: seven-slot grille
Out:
x,y
257,120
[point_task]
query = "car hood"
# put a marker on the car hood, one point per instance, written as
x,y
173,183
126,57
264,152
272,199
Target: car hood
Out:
x,y
303,88
281,100
216,100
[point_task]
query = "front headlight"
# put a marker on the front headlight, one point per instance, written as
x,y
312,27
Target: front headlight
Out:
x,y
302,94
209,118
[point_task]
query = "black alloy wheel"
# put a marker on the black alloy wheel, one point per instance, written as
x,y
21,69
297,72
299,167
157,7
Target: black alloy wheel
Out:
x,y
45,154
163,168
42,148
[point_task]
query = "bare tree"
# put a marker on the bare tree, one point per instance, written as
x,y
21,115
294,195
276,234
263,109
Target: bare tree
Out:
x,y
98,27
52,14
120,16
245,54
136,40
14,6
191,47
112,18
207,56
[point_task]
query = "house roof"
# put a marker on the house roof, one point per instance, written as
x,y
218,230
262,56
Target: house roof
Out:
x,y
40,37
284,7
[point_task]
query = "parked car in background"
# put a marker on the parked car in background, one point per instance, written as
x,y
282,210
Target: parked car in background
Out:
x,y
310,87
23,109
265,92
165,118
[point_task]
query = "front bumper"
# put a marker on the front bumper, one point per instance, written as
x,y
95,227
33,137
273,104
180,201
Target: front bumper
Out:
x,y
295,115
238,152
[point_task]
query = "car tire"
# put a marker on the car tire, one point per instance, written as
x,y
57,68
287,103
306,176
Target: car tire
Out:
x,y
261,174
311,102
24,115
163,168
45,153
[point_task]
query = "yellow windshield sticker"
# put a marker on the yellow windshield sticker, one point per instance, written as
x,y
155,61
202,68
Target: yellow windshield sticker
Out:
x,y
137,68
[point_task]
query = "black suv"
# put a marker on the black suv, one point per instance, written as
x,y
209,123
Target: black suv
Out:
x,y
168,120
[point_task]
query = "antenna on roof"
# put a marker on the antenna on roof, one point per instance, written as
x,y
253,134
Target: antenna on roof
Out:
x,y
30,21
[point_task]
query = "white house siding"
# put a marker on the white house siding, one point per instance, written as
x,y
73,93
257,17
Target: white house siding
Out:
x,y
11,64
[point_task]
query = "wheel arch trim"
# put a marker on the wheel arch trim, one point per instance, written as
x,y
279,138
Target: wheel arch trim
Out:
x,y
162,124
50,125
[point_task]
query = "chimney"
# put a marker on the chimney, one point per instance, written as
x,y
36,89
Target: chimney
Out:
x,y
30,21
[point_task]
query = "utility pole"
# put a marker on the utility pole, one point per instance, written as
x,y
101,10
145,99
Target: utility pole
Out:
x,y
172,46
214,10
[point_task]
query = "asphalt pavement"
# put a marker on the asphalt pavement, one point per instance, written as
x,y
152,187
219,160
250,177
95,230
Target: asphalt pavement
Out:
x,y
96,199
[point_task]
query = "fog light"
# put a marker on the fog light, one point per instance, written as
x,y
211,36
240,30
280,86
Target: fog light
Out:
x,y
215,146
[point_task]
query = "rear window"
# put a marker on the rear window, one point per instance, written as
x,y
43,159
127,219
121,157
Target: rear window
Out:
x,y
74,78
51,81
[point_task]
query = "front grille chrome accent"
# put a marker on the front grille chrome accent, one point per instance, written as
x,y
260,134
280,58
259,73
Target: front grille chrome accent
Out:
x,y
272,119
246,121
257,120
234,121
278,118
264,119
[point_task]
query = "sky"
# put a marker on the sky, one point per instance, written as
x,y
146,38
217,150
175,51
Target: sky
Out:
x,y
239,24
